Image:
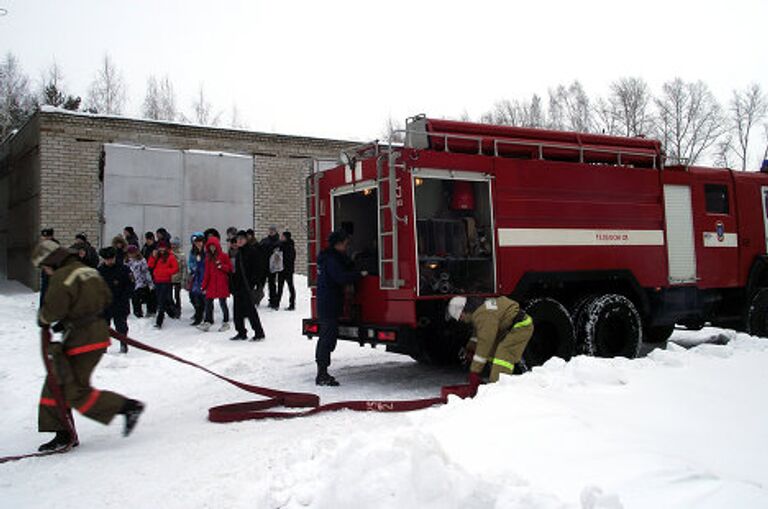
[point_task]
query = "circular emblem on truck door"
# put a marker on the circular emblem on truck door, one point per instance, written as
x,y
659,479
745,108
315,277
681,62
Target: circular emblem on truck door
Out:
x,y
720,229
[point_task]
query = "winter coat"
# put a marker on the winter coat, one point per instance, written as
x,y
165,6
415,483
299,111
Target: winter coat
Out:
x,y
494,321
217,269
196,268
141,276
120,244
163,268
77,296
91,257
289,256
118,279
181,276
269,244
146,250
248,271
334,271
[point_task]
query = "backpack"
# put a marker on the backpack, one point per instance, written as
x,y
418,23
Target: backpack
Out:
x,y
276,261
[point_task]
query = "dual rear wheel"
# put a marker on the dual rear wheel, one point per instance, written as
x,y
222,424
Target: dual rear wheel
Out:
x,y
605,325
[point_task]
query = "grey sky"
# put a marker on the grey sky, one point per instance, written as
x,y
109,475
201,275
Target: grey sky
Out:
x,y
340,68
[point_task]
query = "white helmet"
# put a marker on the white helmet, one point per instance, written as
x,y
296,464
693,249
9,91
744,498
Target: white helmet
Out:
x,y
456,307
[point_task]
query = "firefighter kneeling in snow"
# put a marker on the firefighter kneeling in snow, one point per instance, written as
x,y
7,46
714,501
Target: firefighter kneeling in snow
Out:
x,y
501,332
76,298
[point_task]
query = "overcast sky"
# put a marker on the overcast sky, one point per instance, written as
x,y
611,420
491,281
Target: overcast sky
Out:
x,y
340,68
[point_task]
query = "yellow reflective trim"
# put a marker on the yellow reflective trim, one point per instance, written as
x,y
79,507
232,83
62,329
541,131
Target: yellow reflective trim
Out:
x,y
525,323
504,364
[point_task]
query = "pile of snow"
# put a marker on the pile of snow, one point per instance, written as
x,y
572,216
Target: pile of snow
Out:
x,y
682,427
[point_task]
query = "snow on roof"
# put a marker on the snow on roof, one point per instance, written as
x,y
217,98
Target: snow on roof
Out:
x,y
53,109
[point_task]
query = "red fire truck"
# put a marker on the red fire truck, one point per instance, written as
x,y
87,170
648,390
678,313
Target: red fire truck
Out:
x,y
605,244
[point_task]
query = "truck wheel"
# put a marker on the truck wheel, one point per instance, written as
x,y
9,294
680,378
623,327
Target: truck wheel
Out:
x,y
583,346
757,314
610,326
553,332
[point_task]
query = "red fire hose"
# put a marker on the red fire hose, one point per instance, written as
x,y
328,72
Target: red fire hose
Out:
x,y
275,405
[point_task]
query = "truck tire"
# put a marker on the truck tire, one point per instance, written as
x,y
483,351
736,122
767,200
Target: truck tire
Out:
x,y
757,314
583,346
553,332
610,326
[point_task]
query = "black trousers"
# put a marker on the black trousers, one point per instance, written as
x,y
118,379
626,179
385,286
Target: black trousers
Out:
x,y
272,281
120,321
177,300
326,343
198,302
209,310
164,301
282,278
245,308
138,298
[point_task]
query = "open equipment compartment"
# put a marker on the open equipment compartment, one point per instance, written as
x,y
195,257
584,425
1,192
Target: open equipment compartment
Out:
x,y
355,211
454,234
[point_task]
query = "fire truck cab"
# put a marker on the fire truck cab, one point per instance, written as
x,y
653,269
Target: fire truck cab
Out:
x,y
604,244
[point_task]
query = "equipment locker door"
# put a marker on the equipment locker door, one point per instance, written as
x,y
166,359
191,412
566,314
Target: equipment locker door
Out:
x,y
715,229
764,194
681,250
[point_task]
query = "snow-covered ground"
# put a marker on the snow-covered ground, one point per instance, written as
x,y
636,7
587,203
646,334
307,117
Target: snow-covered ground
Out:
x,y
685,427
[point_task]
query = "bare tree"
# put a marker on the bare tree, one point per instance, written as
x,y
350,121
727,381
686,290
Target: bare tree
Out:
x,y
167,100
517,113
236,118
689,119
202,111
606,117
569,108
392,131
107,92
748,107
151,107
632,98
16,100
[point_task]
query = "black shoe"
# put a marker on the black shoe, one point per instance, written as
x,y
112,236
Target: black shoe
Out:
x,y
291,308
132,409
158,326
326,380
123,348
59,442
195,323
238,337
258,337
139,315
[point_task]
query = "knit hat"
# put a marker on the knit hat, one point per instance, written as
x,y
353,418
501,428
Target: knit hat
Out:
x,y
132,249
287,235
242,234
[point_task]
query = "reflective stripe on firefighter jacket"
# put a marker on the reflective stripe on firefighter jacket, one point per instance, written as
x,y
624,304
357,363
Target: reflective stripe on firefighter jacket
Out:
x,y
499,337
77,296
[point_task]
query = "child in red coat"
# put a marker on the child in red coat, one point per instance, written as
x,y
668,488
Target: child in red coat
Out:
x,y
163,265
216,283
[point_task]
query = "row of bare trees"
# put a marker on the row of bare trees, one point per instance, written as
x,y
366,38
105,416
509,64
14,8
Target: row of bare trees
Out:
x,y
107,94
690,122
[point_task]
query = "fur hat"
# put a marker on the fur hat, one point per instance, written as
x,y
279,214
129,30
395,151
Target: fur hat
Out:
x,y
49,253
108,252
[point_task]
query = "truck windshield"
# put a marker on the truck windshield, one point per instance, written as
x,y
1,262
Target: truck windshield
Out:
x,y
454,229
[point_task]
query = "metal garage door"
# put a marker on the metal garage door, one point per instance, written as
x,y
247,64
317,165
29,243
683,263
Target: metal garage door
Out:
x,y
183,191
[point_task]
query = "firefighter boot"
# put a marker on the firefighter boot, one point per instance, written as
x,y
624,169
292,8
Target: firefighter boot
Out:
x,y
324,379
60,441
132,409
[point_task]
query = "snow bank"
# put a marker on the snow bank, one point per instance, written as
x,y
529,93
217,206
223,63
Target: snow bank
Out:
x,y
682,427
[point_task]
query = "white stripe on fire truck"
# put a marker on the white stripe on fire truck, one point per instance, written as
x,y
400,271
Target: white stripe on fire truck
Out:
x,y
522,237
729,240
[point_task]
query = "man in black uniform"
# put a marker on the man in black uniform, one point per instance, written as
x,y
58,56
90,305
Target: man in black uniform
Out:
x,y
334,271
269,245
249,273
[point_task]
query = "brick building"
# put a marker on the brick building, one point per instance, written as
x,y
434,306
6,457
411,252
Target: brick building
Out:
x,y
73,172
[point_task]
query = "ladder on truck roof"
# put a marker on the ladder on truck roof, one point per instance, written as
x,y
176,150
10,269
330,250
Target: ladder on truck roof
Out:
x,y
387,198
314,244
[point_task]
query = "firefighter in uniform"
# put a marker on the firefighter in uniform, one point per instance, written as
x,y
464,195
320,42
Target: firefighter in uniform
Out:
x,y
75,301
501,332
